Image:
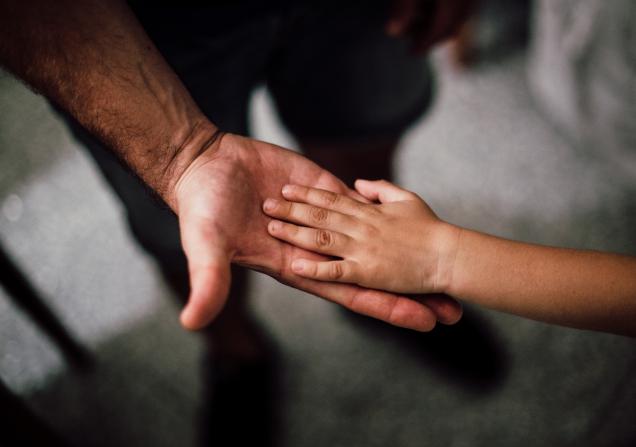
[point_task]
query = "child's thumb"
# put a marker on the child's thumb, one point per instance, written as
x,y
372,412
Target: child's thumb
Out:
x,y
383,191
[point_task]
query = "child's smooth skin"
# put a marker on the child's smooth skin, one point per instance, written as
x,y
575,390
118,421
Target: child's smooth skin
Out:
x,y
398,244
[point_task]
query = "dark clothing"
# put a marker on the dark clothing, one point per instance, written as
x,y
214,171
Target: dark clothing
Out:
x,y
333,73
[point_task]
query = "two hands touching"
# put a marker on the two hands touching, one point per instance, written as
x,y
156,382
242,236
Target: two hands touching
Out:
x,y
218,198
106,72
267,208
217,184
394,243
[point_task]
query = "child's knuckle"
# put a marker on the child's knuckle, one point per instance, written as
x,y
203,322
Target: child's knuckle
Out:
x,y
318,215
324,239
336,271
329,198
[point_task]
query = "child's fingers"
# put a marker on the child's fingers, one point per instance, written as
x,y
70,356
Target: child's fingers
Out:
x,y
383,191
322,198
307,215
394,309
319,241
339,271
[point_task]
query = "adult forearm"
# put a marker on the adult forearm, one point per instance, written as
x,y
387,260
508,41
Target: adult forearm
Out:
x,y
95,61
578,288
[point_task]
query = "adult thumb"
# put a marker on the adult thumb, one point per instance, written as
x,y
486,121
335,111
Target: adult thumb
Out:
x,y
210,277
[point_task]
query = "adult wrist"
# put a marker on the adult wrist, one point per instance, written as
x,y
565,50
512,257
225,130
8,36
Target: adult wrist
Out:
x,y
199,138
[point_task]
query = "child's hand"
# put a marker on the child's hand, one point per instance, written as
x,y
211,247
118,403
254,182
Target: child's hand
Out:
x,y
398,245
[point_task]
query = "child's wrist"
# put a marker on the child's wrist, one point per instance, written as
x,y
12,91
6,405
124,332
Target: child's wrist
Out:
x,y
448,240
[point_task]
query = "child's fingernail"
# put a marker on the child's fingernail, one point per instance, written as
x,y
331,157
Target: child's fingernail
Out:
x,y
287,189
275,226
270,204
298,265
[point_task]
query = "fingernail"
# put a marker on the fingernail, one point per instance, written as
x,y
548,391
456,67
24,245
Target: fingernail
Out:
x,y
287,189
275,226
298,265
270,204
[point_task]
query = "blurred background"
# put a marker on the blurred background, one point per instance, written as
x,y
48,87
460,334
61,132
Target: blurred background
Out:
x,y
532,136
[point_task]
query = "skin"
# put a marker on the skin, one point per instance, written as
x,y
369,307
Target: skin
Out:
x,y
228,185
102,68
398,243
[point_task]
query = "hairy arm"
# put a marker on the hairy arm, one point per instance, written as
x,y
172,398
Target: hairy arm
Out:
x,y
95,60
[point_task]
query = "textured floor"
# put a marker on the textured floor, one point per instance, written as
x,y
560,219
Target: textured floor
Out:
x,y
484,158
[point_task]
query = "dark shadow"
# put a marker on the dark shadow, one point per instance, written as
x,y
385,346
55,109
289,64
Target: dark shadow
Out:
x,y
240,403
154,385
467,354
243,404
21,426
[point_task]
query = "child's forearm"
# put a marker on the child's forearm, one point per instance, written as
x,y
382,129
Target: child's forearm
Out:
x,y
577,288
399,244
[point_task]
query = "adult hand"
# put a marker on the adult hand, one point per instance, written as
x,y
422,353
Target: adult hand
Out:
x,y
104,70
427,22
218,199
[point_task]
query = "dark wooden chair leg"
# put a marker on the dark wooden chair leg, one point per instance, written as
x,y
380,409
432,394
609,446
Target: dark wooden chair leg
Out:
x,y
25,296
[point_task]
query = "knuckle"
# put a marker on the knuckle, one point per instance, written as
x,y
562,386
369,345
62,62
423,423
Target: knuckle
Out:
x,y
323,238
391,316
291,230
329,198
336,271
318,215
287,209
371,211
313,270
